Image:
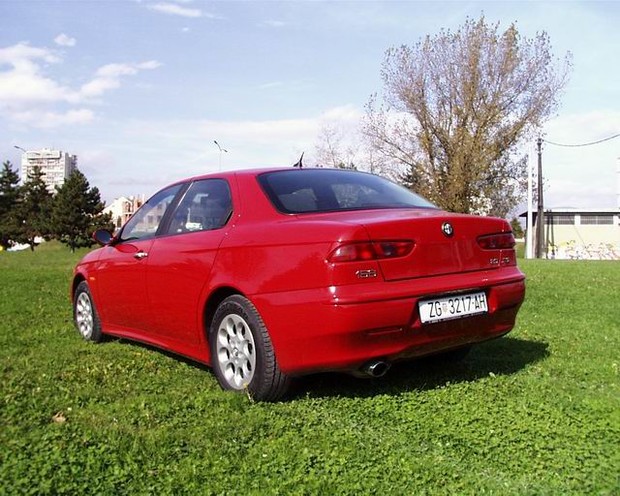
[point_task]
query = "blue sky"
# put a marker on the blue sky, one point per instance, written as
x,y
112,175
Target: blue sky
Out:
x,y
140,89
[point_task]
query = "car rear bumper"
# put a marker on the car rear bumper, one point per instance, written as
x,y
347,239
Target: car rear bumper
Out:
x,y
342,328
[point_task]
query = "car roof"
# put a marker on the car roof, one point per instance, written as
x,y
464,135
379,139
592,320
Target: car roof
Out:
x,y
256,171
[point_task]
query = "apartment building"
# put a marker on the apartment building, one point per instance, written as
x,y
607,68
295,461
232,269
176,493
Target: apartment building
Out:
x,y
122,208
56,166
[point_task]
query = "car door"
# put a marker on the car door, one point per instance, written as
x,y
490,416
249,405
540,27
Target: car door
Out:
x,y
121,274
180,260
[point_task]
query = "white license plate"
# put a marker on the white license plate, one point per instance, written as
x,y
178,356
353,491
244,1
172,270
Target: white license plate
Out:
x,y
452,307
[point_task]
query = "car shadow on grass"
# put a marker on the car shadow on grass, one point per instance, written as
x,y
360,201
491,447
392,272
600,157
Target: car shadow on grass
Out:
x,y
504,356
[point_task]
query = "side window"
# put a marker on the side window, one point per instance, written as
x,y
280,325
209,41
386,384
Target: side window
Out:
x,y
206,205
146,220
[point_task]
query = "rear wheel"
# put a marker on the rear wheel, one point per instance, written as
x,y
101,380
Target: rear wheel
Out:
x,y
242,354
85,315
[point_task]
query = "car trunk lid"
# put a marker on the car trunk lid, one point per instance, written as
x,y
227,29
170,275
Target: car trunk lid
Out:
x,y
445,243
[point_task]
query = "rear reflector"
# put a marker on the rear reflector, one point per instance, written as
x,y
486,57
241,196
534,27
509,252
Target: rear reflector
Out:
x,y
501,241
371,250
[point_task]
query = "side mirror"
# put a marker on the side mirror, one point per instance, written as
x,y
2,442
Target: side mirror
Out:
x,y
103,237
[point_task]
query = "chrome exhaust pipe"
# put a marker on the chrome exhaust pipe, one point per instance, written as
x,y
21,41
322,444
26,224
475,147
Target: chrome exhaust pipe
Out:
x,y
376,368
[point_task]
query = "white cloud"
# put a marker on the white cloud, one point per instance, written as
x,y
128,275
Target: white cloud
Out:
x,y
28,95
23,54
344,113
174,9
115,70
64,40
170,8
23,82
241,138
18,88
150,64
150,154
583,127
188,144
48,119
108,77
583,176
249,143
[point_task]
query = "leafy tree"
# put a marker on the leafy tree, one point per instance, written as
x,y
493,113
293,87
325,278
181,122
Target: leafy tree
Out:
x,y
77,212
33,209
456,108
9,195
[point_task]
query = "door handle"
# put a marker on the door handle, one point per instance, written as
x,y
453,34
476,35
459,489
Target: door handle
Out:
x,y
140,255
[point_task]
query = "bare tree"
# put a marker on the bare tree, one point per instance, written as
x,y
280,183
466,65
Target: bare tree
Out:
x,y
328,146
456,108
330,150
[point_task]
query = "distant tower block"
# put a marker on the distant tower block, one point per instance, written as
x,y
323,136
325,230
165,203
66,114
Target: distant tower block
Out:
x,y
56,166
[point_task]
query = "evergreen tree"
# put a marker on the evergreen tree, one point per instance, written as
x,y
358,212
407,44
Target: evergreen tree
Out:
x,y
33,209
77,212
9,194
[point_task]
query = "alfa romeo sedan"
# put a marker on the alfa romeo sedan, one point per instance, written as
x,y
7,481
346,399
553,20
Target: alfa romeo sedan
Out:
x,y
265,275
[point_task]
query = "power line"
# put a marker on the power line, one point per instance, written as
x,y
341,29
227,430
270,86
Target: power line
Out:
x,y
583,144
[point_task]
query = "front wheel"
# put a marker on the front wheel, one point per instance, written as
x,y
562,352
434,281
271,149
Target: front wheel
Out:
x,y
85,315
242,354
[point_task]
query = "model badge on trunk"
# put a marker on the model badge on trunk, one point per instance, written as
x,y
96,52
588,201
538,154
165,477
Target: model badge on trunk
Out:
x,y
365,274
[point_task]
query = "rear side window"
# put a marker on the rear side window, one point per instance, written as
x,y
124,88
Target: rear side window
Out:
x,y
327,190
206,205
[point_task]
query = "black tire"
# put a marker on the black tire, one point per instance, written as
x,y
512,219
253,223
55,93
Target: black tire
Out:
x,y
85,315
242,354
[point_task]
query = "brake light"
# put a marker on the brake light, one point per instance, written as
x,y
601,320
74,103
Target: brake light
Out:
x,y
370,250
501,241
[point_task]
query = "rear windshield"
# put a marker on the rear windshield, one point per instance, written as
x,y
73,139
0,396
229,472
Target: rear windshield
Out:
x,y
327,190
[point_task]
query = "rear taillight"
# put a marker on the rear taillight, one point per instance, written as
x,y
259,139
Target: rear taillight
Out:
x,y
370,250
501,241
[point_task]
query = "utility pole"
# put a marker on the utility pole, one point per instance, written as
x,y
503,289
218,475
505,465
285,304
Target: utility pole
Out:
x,y
540,215
529,238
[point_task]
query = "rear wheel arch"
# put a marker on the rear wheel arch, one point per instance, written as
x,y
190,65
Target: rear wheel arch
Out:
x,y
211,304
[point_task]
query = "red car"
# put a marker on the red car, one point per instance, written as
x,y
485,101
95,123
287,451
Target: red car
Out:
x,y
270,274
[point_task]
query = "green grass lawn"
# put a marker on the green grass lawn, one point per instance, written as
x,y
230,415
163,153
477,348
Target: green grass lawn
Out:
x,y
536,412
